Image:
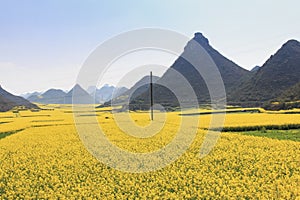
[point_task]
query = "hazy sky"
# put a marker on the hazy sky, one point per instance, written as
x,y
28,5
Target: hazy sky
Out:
x,y
44,43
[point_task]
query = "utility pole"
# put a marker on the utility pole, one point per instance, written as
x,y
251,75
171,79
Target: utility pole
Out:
x,y
151,96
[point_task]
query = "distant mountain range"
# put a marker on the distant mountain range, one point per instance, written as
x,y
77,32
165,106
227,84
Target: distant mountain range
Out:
x,y
137,89
106,93
277,80
9,101
92,94
52,96
27,95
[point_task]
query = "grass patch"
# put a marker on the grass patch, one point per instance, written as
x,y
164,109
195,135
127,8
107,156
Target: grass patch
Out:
x,y
237,111
258,128
291,112
5,134
293,135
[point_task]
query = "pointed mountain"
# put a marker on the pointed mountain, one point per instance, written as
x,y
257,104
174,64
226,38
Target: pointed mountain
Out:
x,y
279,73
231,73
9,101
77,95
77,89
52,96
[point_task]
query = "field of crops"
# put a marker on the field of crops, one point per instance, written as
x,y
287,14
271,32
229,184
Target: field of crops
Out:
x,y
41,156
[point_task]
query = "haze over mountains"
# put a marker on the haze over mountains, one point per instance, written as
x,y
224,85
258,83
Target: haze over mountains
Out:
x,y
137,89
27,95
106,93
52,96
92,94
277,80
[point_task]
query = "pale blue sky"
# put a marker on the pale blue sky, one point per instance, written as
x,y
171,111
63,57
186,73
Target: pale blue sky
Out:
x,y
44,43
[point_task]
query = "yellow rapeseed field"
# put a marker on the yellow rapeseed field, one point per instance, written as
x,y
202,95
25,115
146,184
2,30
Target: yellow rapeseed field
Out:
x,y
47,160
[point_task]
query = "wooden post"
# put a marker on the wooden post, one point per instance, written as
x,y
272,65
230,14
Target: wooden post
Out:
x,y
151,96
